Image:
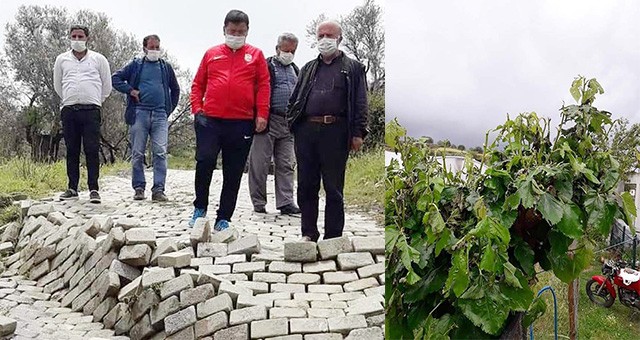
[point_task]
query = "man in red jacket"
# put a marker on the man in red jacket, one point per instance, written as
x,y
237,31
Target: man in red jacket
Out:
x,y
230,100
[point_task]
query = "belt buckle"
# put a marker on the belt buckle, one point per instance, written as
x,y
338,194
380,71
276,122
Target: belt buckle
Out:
x,y
325,119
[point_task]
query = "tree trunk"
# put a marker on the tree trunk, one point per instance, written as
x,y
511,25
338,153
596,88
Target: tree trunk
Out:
x,y
514,330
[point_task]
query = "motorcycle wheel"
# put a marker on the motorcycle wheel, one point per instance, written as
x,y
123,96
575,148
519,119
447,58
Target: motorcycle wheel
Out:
x,y
603,299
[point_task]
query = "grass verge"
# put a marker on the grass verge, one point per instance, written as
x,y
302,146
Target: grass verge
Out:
x,y
594,322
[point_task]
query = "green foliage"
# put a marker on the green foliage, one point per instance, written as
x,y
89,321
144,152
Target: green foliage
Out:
x,y
375,120
461,247
364,181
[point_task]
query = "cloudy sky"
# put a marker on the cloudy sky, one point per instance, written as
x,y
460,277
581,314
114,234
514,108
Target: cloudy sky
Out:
x,y
188,28
455,69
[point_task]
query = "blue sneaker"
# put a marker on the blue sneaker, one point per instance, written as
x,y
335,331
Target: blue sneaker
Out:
x,y
221,225
197,213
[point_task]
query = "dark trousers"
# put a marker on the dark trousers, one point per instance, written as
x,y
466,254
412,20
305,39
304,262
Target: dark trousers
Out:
x,y
231,137
321,153
81,126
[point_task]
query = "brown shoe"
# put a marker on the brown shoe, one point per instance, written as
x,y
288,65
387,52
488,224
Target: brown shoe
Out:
x,y
159,196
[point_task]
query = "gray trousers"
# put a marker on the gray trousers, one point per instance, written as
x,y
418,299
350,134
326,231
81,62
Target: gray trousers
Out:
x,y
277,143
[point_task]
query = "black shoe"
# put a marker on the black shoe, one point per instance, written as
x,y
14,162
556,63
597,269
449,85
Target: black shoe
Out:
x,y
139,195
289,209
159,196
68,195
94,196
260,210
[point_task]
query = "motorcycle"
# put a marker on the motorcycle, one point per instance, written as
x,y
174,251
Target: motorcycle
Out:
x,y
601,290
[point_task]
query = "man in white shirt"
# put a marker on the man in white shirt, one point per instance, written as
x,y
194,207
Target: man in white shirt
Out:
x,y
82,80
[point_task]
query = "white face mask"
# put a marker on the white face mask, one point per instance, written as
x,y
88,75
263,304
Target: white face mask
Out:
x,y
327,46
78,45
234,42
153,55
285,58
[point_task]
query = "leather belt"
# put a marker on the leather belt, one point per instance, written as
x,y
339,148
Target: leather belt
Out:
x,y
324,119
77,107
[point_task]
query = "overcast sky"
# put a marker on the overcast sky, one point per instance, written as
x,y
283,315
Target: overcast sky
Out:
x,y
187,28
456,68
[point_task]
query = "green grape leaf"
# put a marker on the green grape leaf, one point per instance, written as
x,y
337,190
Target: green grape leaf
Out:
x,y
550,208
572,221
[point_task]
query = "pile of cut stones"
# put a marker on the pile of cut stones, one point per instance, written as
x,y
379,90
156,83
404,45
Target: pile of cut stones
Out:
x,y
217,285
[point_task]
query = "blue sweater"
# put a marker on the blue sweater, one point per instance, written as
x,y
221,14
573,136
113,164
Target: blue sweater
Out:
x,y
127,78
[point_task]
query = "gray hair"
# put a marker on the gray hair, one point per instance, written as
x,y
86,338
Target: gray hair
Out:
x,y
333,22
287,37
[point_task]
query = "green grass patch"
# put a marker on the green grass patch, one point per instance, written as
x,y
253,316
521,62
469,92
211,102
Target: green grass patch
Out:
x,y
364,183
594,322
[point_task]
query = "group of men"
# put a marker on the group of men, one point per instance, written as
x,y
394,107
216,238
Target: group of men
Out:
x,y
245,106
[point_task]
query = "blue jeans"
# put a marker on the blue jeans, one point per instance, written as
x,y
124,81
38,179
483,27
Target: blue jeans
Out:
x,y
149,123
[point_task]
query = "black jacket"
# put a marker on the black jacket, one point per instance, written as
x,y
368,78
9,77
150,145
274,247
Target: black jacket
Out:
x,y
357,111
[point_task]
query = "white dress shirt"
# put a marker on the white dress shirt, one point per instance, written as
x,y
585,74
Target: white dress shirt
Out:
x,y
84,81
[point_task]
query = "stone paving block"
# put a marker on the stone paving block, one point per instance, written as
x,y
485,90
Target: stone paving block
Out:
x,y
45,253
325,313
125,271
91,306
379,258
162,310
233,290
373,245
269,328
376,320
127,223
230,259
360,285
57,218
180,320
347,296
215,280
346,324
156,275
381,279
350,261
311,296
287,313
176,285
103,308
40,210
115,239
371,270
246,245
249,267
304,278
196,295
135,255
267,257
228,235
324,288
270,277
91,227
48,278
329,304
147,299
142,329
247,315
216,269
374,291
239,332
114,315
124,325
366,308
250,301
59,259
140,236
196,262
234,277
300,251
176,259
291,304
82,299
167,245
320,267
288,287
39,270
132,288
307,326
256,287
7,326
341,277
11,233
211,324
329,249
207,249
220,303
285,267
185,334
323,336
373,333
201,231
